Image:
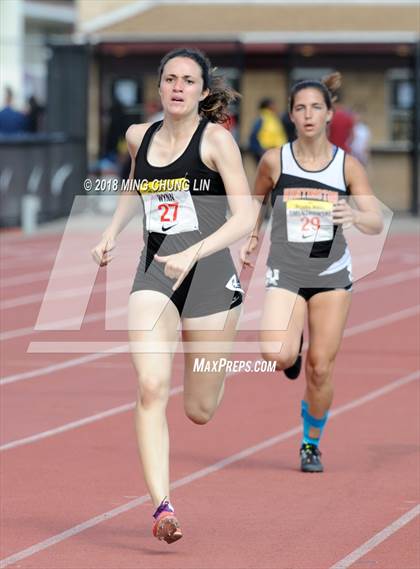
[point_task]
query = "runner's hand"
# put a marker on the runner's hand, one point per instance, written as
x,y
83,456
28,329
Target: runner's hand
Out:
x,y
246,250
343,214
100,253
177,266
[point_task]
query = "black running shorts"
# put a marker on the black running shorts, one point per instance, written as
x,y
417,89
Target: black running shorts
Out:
x,y
211,286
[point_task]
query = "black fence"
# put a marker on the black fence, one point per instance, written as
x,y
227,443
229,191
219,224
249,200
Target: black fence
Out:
x,y
50,166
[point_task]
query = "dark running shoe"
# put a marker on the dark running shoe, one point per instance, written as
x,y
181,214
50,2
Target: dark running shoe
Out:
x,y
310,458
293,371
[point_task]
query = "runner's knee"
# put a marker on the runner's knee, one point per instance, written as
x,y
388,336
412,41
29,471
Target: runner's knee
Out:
x,y
152,390
284,359
199,412
318,368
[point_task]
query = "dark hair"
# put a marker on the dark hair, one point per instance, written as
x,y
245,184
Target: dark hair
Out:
x,y
328,87
215,105
8,91
265,103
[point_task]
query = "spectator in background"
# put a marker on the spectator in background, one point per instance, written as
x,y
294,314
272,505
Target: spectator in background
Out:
x,y
154,112
33,115
341,127
360,146
11,121
231,124
116,130
289,127
267,130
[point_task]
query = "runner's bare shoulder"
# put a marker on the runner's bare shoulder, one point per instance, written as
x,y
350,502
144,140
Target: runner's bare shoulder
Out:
x,y
271,158
134,136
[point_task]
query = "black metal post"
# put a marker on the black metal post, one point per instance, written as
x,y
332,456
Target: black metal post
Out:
x,y
416,135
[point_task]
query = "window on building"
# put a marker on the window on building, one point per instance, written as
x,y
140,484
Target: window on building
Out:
x,y
120,103
400,88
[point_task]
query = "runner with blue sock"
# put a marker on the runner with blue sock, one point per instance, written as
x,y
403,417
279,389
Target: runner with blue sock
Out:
x,y
309,269
310,454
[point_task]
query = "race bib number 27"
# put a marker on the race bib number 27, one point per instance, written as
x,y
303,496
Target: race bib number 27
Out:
x,y
170,213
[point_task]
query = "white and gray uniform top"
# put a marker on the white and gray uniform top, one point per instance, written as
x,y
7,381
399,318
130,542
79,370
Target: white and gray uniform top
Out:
x,y
307,249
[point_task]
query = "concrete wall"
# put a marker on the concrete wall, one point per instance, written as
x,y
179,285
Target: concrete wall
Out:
x,y
390,178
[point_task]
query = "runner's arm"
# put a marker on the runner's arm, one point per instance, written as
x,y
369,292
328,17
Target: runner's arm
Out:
x,y
225,156
128,202
367,216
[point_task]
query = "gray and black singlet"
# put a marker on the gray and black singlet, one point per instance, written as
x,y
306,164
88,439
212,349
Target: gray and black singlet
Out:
x,y
308,253
184,202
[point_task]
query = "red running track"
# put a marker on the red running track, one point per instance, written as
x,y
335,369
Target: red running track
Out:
x,y
239,494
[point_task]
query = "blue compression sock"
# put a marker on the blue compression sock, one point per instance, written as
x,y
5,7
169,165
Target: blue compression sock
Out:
x,y
308,422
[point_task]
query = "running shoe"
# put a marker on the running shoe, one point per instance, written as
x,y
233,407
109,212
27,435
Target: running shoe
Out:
x,y
293,371
166,526
310,458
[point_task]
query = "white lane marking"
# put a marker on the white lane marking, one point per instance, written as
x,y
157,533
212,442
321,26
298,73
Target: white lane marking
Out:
x,y
360,328
62,324
66,323
68,426
29,299
377,539
62,365
385,320
365,326
387,280
80,423
44,276
17,262
61,294
23,554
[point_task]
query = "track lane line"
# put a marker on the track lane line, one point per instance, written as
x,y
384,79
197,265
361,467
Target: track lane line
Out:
x,y
79,423
387,280
363,327
377,539
202,473
43,276
62,294
62,325
357,329
62,365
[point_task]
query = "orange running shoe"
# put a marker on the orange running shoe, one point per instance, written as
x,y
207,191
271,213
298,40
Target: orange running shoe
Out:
x,y
166,526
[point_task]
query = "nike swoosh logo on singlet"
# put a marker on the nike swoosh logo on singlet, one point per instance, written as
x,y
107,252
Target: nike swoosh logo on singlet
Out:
x,y
168,228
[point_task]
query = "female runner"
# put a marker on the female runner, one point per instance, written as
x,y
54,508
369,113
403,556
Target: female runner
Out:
x,y
189,169
309,264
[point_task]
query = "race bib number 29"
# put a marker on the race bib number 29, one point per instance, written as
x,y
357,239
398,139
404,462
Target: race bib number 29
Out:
x,y
309,219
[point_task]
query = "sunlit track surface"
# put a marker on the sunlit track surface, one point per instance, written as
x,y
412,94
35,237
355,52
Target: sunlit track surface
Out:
x,y
361,511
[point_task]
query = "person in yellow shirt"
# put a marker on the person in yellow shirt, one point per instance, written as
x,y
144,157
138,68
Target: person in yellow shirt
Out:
x,y
267,130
